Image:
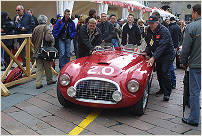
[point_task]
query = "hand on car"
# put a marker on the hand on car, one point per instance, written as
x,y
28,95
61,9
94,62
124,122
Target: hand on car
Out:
x,y
150,62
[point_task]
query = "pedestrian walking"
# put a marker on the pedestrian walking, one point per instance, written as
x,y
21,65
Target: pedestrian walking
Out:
x,y
191,57
117,30
131,33
160,49
23,25
88,38
37,37
64,30
176,35
107,29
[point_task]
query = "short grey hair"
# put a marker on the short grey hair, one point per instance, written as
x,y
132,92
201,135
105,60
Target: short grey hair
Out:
x,y
42,19
21,7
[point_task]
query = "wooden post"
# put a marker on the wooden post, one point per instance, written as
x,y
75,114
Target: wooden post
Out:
x,y
28,57
4,90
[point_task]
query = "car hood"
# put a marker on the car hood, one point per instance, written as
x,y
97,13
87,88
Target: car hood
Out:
x,y
110,63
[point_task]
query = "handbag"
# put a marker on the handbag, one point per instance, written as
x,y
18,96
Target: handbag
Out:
x,y
46,51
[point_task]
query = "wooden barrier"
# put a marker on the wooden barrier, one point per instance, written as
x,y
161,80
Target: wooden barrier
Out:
x,y
28,71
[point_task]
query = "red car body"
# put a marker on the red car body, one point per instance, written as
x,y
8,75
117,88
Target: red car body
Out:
x,y
117,67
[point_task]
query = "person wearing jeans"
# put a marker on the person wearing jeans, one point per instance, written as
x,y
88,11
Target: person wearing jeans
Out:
x,y
191,57
65,31
64,51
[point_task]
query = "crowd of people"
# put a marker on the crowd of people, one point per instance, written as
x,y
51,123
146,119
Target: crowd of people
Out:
x,y
162,38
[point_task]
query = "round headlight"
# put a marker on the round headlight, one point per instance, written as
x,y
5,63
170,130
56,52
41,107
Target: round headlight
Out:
x,y
64,79
117,96
133,86
71,91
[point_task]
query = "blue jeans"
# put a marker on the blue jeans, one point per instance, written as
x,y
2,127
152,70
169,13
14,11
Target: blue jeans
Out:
x,y
194,98
75,47
115,42
173,76
64,52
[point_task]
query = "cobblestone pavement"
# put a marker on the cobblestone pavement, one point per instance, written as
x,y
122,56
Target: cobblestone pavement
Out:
x,y
42,114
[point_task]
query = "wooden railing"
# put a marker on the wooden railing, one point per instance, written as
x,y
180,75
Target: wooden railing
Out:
x,y
28,71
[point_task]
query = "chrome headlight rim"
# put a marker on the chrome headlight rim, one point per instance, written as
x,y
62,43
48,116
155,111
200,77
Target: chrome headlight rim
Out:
x,y
114,96
133,86
64,79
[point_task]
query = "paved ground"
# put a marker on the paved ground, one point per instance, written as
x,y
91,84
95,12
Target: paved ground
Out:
x,y
30,111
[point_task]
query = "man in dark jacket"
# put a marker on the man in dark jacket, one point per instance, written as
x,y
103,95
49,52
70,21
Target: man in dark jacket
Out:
x,y
64,30
161,50
23,25
106,28
176,35
30,11
89,38
131,32
191,56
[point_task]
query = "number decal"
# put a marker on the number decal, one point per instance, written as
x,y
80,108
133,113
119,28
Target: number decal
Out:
x,y
91,70
105,71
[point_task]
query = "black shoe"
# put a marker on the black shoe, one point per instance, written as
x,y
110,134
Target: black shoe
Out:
x,y
53,82
166,98
189,123
38,87
159,92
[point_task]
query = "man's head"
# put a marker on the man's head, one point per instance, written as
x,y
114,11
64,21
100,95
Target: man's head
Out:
x,y
196,11
67,14
153,22
113,18
167,21
20,10
92,24
29,11
130,18
156,13
93,13
122,21
104,17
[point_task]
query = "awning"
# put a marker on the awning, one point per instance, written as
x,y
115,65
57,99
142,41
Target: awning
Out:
x,y
130,5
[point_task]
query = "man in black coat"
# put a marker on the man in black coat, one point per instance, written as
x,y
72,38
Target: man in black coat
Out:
x,y
107,29
30,11
176,35
161,50
23,25
88,38
131,32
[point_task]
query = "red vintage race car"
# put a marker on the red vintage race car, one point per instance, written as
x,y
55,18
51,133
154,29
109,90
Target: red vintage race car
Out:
x,y
109,78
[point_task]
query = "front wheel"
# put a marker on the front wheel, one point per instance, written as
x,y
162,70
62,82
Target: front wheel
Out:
x,y
140,107
62,100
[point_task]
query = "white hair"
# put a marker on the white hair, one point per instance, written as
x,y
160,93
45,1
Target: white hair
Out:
x,y
42,19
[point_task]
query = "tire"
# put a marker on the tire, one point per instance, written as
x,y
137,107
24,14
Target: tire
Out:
x,y
140,107
62,100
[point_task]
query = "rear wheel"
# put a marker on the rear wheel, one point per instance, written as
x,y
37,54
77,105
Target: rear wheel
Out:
x,y
62,100
140,107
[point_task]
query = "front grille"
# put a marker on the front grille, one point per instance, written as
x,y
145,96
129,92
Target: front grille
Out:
x,y
95,90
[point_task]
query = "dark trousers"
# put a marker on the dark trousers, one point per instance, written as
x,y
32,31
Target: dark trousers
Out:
x,y
163,74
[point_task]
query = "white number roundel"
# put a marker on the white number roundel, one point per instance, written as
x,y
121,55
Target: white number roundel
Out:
x,y
107,70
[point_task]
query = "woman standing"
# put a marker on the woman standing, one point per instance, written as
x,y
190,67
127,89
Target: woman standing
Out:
x,y
37,38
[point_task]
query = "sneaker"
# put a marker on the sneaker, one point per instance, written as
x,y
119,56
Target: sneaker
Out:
x,y
38,87
166,98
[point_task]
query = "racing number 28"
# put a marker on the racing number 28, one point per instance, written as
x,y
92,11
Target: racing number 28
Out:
x,y
105,70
